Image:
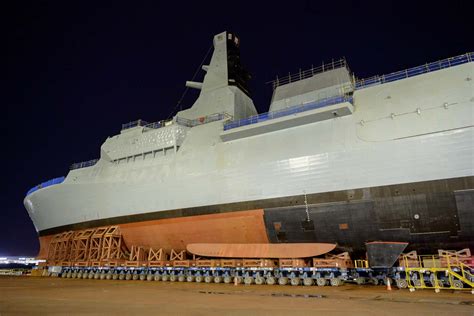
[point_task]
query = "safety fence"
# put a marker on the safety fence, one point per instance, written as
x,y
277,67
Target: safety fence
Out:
x,y
288,111
202,120
415,71
46,184
83,164
309,72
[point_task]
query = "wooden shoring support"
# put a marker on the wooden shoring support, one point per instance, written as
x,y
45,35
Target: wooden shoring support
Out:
x,y
80,245
156,254
230,263
96,244
249,263
455,257
409,260
291,263
342,260
64,246
138,253
113,247
138,256
178,255
52,250
211,263
183,263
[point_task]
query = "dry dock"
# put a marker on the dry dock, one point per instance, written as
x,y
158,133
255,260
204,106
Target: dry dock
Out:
x,y
36,295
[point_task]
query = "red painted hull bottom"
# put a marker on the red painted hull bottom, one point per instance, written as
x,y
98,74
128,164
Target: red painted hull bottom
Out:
x,y
243,227
277,251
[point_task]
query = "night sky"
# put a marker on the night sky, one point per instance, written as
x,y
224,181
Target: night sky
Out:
x,y
74,71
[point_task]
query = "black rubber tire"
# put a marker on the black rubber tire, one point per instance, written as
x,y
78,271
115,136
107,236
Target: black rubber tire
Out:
x,y
270,280
248,280
283,280
295,281
308,282
335,282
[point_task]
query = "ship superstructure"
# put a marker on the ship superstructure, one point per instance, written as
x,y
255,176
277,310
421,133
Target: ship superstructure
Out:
x,y
336,159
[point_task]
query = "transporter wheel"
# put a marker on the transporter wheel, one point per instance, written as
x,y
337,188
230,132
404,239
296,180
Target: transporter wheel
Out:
x,y
437,282
308,281
135,277
96,275
165,278
79,275
335,281
128,276
238,279
259,280
63,275
208,279
115,276
416,283
173,278
360,281
157,277
248,280
149,277
181,278
217,279
321,281
270,280
190,278
122,276
142,277
102,276
85,275
283,280
458,284
374,281
401,283
227,279
295,281
90,275
69,274
199,279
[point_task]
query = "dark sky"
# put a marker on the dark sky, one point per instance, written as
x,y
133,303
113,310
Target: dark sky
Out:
x,y
74,71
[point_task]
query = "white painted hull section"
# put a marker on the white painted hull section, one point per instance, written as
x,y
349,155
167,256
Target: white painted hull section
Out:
x,y
416,129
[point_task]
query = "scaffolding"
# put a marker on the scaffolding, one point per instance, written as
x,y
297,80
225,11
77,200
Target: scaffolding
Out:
x,y
448,270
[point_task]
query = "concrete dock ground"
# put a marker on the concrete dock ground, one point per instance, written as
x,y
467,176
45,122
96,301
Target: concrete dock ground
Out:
x,y
39,295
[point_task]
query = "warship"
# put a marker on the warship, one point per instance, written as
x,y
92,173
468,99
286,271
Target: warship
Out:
x,y
336,159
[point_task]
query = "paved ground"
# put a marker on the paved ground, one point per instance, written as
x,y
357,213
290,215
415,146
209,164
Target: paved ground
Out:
x,y
36,295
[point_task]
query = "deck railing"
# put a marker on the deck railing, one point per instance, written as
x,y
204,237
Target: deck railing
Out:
x,y
288,111
309,72
83,164
202,120
415,71
134,124
46,184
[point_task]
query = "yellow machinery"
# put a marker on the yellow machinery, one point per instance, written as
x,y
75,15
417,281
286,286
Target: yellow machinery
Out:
x,y
446,271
